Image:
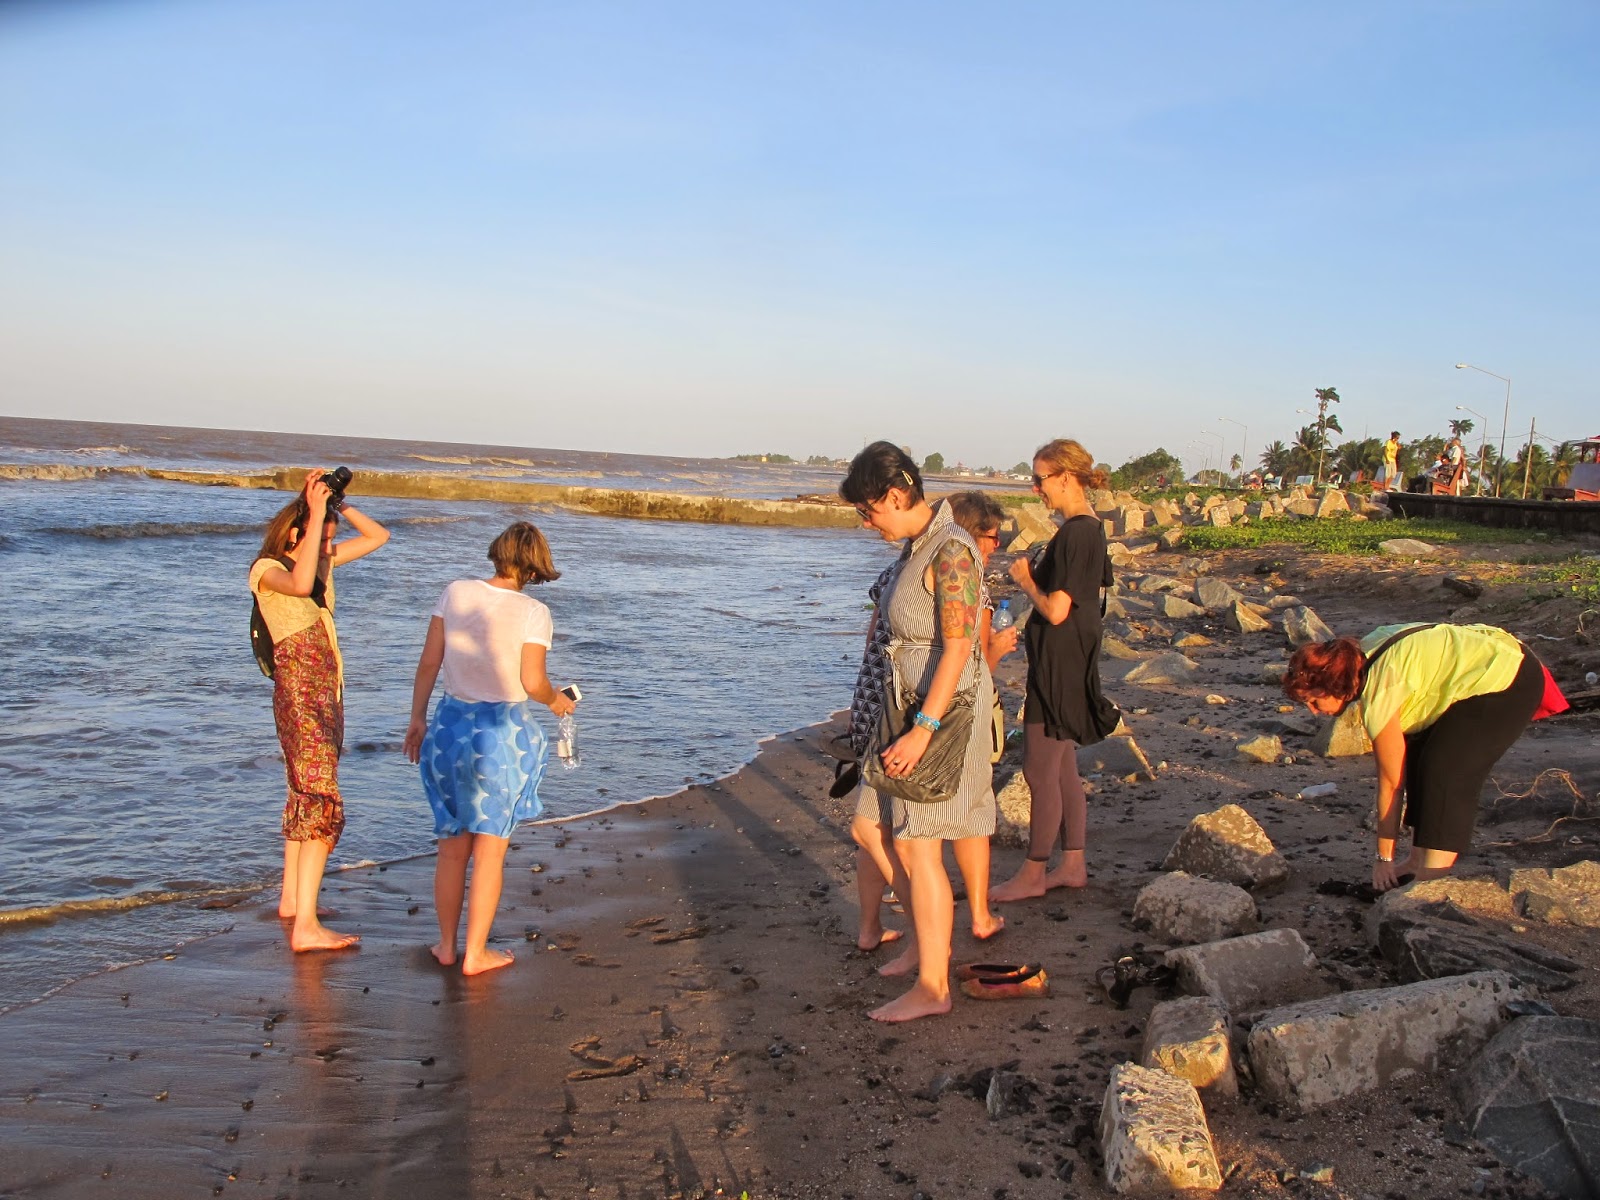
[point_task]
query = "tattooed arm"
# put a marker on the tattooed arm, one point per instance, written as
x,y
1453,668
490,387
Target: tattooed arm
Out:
x,y
955,573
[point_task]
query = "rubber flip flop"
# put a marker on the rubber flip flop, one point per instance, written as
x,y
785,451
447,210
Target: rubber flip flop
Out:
x,y
991,970
1033,983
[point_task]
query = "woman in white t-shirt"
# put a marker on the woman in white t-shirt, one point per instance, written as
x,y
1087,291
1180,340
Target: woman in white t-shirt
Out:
x,y
483,753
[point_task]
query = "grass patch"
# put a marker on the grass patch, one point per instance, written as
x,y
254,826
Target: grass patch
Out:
x,y
1577,577
1341,535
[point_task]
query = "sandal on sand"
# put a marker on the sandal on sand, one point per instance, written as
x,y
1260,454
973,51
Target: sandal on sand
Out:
x,y
1029,983
991,971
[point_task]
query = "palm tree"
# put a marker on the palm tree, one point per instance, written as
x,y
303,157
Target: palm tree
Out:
x,y
1276,459
1359,458
1461,428
1325,397
1309,445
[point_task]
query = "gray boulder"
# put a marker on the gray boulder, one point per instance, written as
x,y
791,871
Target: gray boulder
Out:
x,y
1407,548
1181,909
1172,538
1116,648
1333,501
1448,898
1533,1097
1320,1051
1175,608
1433,941
1219,516
1559,896
1243,618
1214,594
1188,1037
1188,641
1117,755
1302,626
1343,736
1153,1133
1170,667
1229,845
1284,602
1264,749
1255,971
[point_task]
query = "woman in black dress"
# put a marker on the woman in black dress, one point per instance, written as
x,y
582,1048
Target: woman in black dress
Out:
x,y
1064,704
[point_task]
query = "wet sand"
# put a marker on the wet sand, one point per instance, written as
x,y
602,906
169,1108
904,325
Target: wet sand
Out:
x,y
687,1014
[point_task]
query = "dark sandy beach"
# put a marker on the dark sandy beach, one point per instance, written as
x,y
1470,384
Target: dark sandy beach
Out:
x,y
687,1012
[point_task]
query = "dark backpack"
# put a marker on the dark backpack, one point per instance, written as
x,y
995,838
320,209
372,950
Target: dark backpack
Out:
x,y
261,636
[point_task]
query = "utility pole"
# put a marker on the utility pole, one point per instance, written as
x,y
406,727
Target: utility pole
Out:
x,y
1527,459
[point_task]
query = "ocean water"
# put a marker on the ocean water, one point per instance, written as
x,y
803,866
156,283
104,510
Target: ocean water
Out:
x,y
137,751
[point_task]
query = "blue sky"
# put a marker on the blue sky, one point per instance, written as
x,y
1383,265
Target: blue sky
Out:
x,y
709,228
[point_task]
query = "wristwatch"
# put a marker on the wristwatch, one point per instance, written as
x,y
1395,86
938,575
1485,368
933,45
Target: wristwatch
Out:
x,y
1382,857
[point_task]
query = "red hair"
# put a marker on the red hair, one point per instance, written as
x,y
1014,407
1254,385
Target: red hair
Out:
x,y
1325,669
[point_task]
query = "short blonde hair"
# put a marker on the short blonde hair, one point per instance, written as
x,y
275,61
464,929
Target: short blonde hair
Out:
x,y
522,554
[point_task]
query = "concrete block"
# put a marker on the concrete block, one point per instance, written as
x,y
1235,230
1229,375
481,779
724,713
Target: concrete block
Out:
x,y
1153,1133
1189,1038
1258,970
1182,909
1559,896
1229,845
1318,1052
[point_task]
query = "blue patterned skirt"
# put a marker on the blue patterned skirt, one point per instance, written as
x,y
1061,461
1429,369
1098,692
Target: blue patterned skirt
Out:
x,y
481,766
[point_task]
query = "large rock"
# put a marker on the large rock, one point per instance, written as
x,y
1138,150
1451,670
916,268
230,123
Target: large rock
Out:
x,y
1150,584
1320,1051
1407,548
1175,608
1302,626
1188,1037
1284,602
1164,513
1300,506
1116,648
1433,941
1170,667
1447,897
1533,1097
1181,909
1264,749
1244,619
1117,755
1219,516
1212,593
1228,845
1559,896
1171,539
1129,519
1343,736
1153,1133
1013,812
1255,971
1333,501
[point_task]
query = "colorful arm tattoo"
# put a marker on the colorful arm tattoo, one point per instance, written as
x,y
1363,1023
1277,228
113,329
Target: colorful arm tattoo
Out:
x,y
956,580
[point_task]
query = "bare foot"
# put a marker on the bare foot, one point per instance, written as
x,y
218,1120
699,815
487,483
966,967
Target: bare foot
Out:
x,y
866,941
901,964
1026,884
444,955
1062,876
920,1001
287,912
984,930
320,938
489,960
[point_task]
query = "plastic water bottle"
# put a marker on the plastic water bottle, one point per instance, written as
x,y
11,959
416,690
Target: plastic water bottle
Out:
x,y
567,742
1318,790
1002,617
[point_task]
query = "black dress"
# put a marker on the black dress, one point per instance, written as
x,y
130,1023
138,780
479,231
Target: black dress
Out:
x,y
1064,660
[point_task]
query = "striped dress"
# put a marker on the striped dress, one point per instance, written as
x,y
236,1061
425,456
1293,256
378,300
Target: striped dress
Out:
x,y
916,649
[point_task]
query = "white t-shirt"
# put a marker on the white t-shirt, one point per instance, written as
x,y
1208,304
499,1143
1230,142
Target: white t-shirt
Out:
x,y
485,628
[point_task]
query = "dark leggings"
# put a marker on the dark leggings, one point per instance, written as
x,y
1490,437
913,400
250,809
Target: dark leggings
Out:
x,y
1448,763
1059,808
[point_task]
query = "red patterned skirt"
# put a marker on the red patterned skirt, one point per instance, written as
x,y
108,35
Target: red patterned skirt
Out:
x,y
309,712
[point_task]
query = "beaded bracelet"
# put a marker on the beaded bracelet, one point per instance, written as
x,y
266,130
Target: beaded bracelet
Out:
x,y
926,722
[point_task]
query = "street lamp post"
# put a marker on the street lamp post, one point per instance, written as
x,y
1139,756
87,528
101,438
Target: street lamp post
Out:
x,y
1244,444
1222,448
1483,440
1505,420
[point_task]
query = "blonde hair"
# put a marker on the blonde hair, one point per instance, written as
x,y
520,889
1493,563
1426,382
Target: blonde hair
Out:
x,y
292,518
522,554
1068,457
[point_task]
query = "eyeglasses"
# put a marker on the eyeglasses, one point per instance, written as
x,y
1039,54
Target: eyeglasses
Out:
x,y
864,511
1038,480
991,537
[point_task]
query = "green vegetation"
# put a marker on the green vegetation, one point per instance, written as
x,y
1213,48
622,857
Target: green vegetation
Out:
x,y
1341,535
1578,577
1147,470
933,464
763,458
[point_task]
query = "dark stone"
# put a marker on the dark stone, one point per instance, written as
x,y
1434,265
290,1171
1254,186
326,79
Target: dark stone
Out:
x,y
1449,942
1533,1097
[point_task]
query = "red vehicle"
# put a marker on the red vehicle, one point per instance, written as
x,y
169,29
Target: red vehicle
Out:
x,y
1584,481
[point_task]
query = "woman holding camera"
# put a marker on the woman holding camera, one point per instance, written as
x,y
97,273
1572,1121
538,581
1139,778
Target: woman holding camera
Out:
x,y
483,754
292,582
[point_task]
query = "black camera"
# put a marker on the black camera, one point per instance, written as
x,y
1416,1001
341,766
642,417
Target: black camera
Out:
x,y
336,481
